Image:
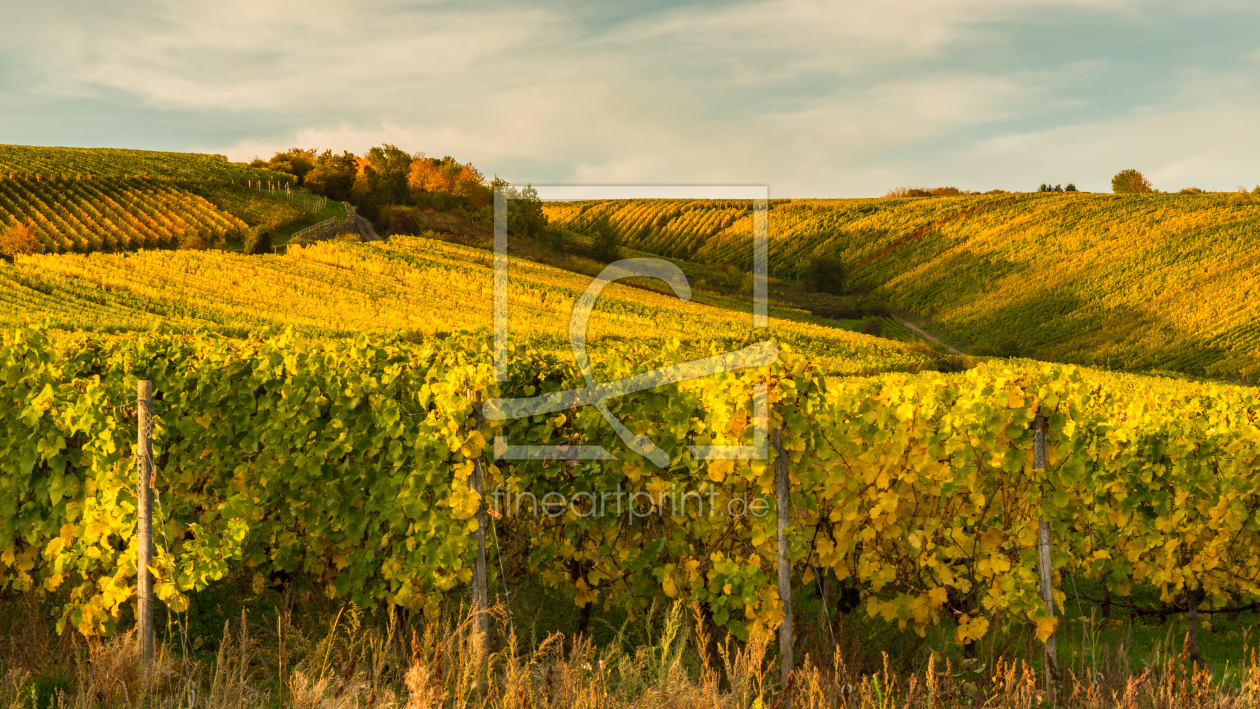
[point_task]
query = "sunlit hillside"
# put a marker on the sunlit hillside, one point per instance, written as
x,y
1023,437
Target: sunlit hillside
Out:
x,y
408,284
1134,281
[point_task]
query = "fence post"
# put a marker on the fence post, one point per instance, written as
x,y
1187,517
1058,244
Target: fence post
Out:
x,y
1050,656
481,619
144,524
782,506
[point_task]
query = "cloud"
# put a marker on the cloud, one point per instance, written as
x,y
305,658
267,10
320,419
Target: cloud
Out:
x,y
813,97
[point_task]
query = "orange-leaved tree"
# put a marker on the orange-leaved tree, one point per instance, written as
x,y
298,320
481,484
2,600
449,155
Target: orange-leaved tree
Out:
x,y
20,239
1130,182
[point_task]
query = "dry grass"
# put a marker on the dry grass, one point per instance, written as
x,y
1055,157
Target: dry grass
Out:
x,y
343,662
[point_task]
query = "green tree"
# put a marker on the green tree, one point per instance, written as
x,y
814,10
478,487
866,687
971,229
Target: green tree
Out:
x,y
1130,182
295,161
605,241
525,213
825,274
387,180
333,175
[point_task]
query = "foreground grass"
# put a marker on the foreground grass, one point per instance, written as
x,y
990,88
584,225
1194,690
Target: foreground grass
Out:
x,y
292,648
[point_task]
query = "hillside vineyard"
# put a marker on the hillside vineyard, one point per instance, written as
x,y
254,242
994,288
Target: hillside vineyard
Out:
x,y
85,200
1154,281
408,284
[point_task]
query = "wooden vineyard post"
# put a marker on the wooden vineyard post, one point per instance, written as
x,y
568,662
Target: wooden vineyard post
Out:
x,y
782,506
144,524
1043,562
481,618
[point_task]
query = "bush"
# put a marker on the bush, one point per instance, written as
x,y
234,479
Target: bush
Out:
x,y
1006,347
401,224
872,325
825,274
19,240
1191,190
1130,182
849,307
928,192
258,242
1070,187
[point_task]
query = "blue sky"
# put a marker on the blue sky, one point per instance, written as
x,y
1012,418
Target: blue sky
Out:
x,y
814,99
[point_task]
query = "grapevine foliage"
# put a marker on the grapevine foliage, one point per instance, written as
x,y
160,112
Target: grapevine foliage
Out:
x,y
350,461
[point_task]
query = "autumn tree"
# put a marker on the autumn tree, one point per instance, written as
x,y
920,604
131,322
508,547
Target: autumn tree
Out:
x,y
445,183
1130,182
18,240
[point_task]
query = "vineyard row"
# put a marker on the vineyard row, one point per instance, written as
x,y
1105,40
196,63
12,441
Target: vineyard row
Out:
x,y
351,462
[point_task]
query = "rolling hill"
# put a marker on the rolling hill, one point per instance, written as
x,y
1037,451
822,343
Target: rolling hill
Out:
x,y
83,200
1156,281
408,284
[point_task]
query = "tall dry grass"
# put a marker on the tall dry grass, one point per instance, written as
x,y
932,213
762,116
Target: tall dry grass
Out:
x,y
346,662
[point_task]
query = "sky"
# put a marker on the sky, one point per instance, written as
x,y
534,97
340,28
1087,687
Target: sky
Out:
x,y
811,98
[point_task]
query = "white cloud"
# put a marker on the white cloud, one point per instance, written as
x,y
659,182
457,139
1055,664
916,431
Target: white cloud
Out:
x,y
813,97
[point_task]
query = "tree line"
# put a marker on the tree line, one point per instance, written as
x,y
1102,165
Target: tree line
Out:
x,y
389,185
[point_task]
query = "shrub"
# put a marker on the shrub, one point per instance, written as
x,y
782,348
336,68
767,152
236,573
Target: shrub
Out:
x,y
1130,182
1191,190
825,274
872,325
1004,347
401,224
928,192
1070,187
258,242
18,240
849,307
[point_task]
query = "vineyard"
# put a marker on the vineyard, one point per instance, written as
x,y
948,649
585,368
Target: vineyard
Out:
x,y
1138,281
407,284
82,215
318,416
62,200
350,462
22,160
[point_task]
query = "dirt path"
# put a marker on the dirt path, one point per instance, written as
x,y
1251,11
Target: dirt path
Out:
x,y
919,331
366,230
